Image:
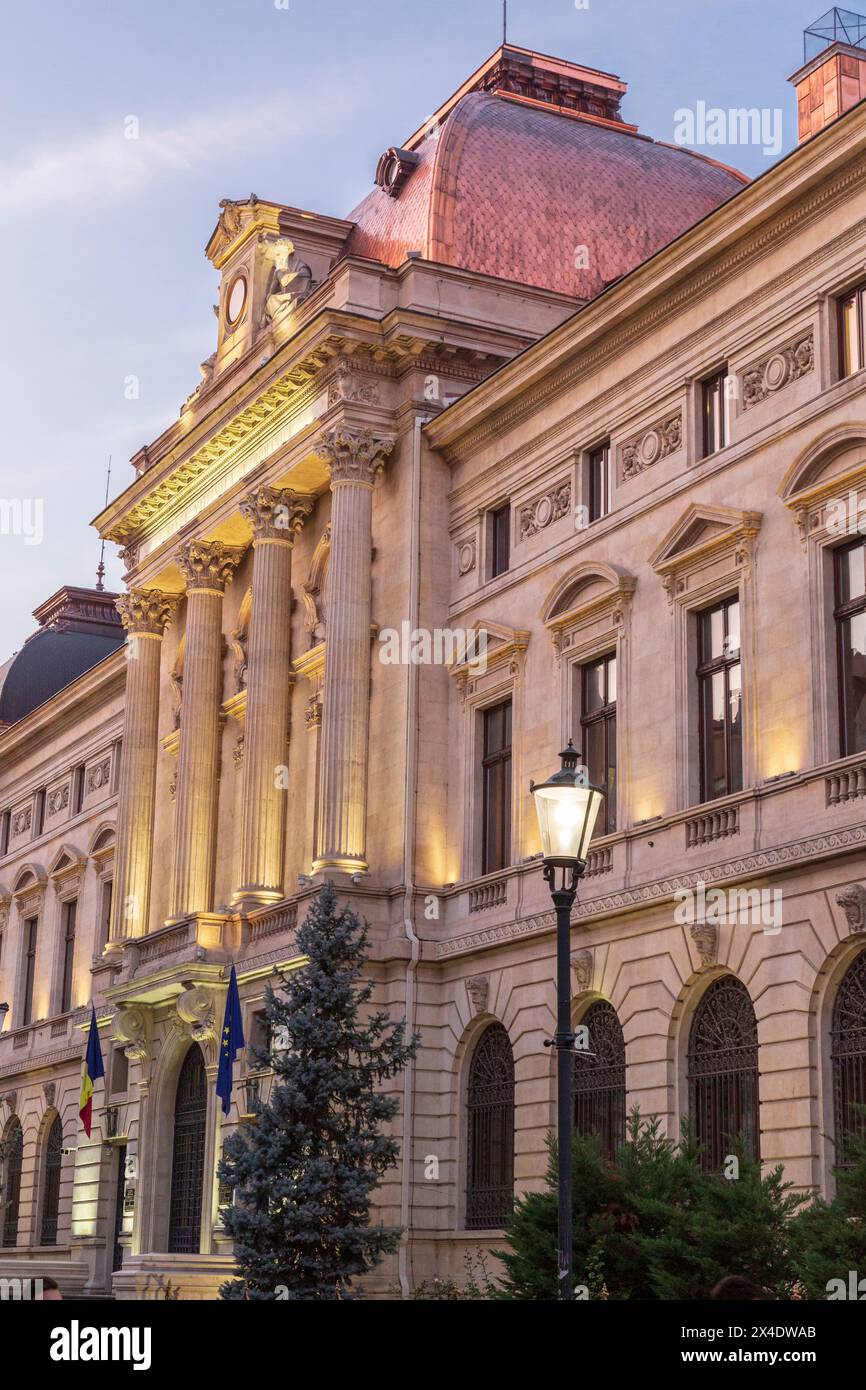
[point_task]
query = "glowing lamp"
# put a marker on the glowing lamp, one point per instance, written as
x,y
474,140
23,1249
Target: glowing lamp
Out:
x,y
567,805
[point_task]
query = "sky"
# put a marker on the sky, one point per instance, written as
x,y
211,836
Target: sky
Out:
x,y
107,290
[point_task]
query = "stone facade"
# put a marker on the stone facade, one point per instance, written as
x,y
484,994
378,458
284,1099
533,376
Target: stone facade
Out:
x,y
333,477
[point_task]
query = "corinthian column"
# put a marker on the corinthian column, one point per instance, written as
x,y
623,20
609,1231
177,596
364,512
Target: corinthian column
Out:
x,y
354,461
276,517
207,567
145,613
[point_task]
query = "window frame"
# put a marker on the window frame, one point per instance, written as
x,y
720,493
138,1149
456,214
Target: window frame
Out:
x,y
705,669
30,945
498,530
598,507
488,763
841,613
68,910
857,294
717,379
606,715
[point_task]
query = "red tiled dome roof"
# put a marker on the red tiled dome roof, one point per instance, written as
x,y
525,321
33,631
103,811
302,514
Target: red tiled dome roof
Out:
x,y
512,189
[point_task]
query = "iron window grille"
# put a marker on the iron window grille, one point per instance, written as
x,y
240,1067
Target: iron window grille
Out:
x,y
490,1176
187,1169
723,1072
599,1079
848,1057
51,1190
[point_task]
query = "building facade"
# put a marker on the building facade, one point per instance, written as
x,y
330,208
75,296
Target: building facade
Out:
x,y
559,434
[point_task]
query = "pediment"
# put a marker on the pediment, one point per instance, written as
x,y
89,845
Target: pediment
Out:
x,y
583,589
701,530
66,860
489,645
829,466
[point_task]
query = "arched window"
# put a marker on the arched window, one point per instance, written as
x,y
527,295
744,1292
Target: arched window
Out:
x,y
848,1053
187,1167
723,1071
10,1197
490,1173
51,1183
599,1079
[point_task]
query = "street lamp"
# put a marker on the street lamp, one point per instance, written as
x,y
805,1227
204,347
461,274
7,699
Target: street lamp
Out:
x,y
567,806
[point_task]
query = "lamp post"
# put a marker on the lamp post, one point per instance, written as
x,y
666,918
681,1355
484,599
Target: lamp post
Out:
x,y
567,806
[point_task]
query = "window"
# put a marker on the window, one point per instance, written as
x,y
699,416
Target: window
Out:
x,y
852,340
499,522
78,790
714,410
105,911
850,617
490,1167
29,969
720,688
5,827
119,1072
187,1166
599,1079
598,733
51,1184
13,1143
723,1072
848,1054
259,1039
599,482
70,912
496,794
39,817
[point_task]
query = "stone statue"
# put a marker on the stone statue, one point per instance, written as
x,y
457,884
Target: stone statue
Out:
x,y
290,283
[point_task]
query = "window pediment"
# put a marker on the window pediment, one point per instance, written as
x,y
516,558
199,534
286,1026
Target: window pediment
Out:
x,y
590,594
705,542
824,486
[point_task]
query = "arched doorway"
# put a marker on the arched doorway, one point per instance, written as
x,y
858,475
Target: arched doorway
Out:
x,y
848,1054
599,1079
187,1164
723,1071
490,1104
13,1142
51,1183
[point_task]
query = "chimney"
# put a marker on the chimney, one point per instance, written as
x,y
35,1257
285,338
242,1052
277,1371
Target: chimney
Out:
x,y
833,76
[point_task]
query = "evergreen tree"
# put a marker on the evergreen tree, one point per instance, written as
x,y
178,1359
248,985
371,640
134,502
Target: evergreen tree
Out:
x,y
828,1239
305,1169
652,1223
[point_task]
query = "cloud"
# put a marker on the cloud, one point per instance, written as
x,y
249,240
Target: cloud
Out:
x,y
106,161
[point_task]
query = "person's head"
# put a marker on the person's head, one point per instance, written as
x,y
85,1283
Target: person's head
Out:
x,y
50,1289
738,1289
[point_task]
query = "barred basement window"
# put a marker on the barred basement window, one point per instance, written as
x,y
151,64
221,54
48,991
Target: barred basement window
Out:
x,y
723,1072
51,1180
599,1079
13,1142
490,1180
848,1054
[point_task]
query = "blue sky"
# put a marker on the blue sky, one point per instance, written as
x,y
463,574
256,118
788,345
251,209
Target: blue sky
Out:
x,y
102,238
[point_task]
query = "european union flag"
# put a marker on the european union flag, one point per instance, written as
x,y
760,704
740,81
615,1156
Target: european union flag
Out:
x,y
231,1042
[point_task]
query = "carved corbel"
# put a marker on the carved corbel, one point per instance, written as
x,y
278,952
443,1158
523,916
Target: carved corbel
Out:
x,y
478,989
705,935
129,1027
582,968
196,1007
852,900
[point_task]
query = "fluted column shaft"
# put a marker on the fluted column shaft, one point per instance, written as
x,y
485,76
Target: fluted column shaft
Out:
x,y
354,461
276,516
207,567
145,614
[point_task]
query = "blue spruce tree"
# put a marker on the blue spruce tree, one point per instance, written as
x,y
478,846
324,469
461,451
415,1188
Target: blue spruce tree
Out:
x,y
304,1171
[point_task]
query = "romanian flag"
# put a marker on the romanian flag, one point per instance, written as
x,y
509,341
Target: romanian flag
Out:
x,y
91,1070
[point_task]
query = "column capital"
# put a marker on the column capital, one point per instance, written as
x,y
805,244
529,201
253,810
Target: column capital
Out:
x,y
146,611
354,456
208,564
276,514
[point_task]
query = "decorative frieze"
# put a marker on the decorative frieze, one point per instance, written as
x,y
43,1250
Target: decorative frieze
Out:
x,y
22,821
98,776
544,510
57,800
777,369
658,442
348,384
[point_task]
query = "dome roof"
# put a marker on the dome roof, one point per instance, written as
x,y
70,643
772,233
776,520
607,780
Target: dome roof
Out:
x,y
510,183
79,628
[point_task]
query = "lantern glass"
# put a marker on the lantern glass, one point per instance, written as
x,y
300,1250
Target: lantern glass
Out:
x,y
566,819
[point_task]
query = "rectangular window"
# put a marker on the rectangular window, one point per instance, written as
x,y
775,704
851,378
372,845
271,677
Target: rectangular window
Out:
x,y
119,1072
78,790
852,314
714,407
720,691
850,617
5,827
500,540
598,732
599,482
39,818
496,794
70,912
105,911
29,979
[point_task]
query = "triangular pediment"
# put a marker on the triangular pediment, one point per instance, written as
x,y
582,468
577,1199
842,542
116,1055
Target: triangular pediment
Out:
x,y
702,528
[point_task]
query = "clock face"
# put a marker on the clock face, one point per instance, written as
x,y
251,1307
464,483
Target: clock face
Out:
x,y
236,299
